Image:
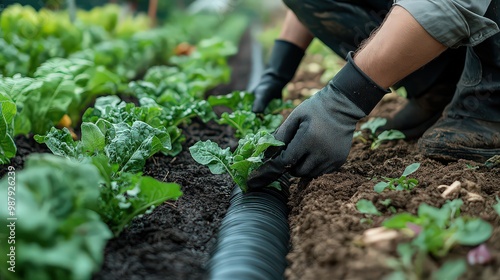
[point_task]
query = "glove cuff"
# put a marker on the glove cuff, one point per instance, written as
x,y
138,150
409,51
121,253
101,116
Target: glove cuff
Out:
x,y
357,86
284,61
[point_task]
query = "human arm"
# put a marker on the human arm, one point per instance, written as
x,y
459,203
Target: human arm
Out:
x,y
318,133
286,55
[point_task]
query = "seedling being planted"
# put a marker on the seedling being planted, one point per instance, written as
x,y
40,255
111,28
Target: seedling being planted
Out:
x,y
238,164
372,125
401,183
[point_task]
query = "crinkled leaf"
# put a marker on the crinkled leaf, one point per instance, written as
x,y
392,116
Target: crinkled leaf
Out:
x,y
210,154
60,142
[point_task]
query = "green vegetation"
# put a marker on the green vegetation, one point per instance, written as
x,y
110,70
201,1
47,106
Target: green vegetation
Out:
x,y
401,183
371,126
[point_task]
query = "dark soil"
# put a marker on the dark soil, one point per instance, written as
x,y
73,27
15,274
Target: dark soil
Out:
x,y
174,242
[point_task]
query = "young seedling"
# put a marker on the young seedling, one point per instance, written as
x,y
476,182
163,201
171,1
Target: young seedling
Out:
x,y
372,125
401,183
242,119
437,230
366,207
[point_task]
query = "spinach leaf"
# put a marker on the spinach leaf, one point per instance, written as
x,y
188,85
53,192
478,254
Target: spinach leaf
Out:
x,y
238,164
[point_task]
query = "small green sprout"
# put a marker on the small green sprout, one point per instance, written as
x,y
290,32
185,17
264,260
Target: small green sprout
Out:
x,y
372,125
366,207
401,183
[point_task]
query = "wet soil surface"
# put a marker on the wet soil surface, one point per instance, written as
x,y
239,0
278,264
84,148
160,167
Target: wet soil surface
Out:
x,y
327,229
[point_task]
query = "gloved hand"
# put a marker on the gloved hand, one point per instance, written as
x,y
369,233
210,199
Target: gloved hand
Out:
x,y
284,60
318,133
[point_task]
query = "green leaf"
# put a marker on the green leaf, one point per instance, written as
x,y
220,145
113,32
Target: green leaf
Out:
x,y
7,146
400,221
60,142
366,207
411,168
373,124
48,102
210,154
380,186
473,232
237,100
450,270
92,138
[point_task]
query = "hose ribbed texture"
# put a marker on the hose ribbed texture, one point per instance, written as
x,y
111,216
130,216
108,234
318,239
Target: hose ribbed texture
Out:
x,y
253,239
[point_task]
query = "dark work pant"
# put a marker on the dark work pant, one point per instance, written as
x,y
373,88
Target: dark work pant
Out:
x,y
342,25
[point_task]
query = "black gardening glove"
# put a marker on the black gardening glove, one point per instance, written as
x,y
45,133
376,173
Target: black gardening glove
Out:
x,y
318,133
285,58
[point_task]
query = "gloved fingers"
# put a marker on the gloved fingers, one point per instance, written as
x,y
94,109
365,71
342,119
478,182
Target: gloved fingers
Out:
x,y
260,103
269,172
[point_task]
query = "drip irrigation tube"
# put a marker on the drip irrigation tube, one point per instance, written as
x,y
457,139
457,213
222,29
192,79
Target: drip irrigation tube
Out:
x,y
253,239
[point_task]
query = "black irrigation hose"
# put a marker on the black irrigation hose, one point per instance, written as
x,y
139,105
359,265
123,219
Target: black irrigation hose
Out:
x,y
253,239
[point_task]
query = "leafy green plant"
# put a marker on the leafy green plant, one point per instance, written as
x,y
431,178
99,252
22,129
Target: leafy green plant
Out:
x,y
435,231
401,183
439,229
113,110
7,113
242,119
125,195
41,102
126,145
238,164
56,219
372,125
120,152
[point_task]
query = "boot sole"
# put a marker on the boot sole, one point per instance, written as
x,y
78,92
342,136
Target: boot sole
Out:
x,y
449,153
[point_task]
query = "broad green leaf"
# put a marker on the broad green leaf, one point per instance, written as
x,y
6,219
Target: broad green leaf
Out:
x,y
450,270
373,124
60,142
366,207
400,221
7,146
210,154
92,138
380,187
474,232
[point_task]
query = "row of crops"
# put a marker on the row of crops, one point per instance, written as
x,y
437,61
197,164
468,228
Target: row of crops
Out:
x,y
62,83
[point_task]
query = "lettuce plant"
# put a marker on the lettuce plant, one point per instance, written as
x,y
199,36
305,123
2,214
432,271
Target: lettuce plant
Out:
x,y
238,164
59,234
7,113
113,110
242,119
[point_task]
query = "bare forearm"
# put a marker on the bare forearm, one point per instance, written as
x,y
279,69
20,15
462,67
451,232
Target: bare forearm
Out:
x,y
295,32
397,49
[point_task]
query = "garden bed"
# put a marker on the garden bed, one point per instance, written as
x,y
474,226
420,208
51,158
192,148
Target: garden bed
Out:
x,y
327,229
